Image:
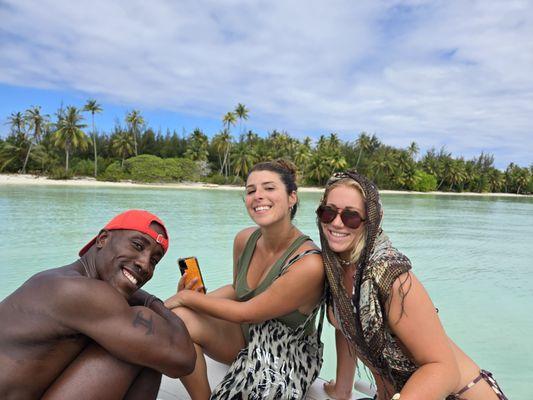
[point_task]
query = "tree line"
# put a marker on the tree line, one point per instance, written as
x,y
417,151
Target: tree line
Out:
x,y
65,145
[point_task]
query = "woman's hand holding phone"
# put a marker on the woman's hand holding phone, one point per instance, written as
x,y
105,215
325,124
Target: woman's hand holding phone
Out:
x,y
191,275
189,284
191,281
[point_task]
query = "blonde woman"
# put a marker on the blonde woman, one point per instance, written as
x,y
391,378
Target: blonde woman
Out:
x,y
382,313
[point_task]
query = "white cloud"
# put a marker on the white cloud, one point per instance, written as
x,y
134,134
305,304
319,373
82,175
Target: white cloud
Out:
x,y
437,72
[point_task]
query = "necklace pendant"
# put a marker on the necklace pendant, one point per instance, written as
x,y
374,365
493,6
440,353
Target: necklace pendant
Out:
x,y
344,263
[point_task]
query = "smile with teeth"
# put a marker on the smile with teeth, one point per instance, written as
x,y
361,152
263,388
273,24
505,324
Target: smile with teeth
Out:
x,y
261,208
338,234
130,277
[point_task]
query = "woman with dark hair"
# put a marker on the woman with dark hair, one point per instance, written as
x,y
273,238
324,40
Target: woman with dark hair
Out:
x,y
278,283
382,314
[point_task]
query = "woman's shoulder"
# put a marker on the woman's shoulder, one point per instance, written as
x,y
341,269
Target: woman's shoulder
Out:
x,y
385,269
241,238
245,233
389,260
308,244
308,256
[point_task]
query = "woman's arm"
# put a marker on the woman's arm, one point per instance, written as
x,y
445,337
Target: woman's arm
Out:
x,y
341,388
227,291
418,328
301,284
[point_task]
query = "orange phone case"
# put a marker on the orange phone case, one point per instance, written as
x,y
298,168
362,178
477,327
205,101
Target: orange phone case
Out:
x,y
190,265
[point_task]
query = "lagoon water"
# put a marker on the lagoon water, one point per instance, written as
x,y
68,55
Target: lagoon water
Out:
x,y
473,254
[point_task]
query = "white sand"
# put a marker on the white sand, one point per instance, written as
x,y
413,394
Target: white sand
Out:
x,y
18,179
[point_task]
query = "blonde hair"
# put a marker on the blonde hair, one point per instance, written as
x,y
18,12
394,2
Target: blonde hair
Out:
x,y
350,183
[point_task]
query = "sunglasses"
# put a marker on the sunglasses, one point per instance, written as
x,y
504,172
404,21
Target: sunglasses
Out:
x,y
350,218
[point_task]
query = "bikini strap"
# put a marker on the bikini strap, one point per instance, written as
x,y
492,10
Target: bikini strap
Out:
x,y
487,377
470,384
297,257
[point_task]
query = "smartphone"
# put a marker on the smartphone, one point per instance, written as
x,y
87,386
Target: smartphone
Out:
x,y
190,265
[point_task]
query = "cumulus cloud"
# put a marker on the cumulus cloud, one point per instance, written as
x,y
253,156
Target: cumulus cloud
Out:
x,y
448,73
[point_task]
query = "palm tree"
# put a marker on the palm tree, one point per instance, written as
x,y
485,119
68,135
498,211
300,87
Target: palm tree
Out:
x,y
94,108
9,153
122,145
413,150
242,114
337,163
456,174
228,120
334,142
319,167
197,146
135,120
302,156
17,123
69,134
251,137
364,143
37,123
221,142
496,181
384,165
279,145
404,174
243,159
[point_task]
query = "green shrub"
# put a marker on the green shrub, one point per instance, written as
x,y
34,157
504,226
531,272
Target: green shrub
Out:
x,y
103,163
216,178
219,179
424,182
149,168
236,180
146,168
182,169
83,168
60,173
114,173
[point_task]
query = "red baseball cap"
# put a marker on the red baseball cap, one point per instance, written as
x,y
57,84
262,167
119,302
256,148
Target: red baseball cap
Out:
x,y
134,220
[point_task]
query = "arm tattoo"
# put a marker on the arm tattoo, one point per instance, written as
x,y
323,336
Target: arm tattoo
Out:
x,y
147,323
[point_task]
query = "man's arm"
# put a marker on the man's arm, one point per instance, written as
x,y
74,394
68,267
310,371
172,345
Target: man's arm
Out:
x,y
150,336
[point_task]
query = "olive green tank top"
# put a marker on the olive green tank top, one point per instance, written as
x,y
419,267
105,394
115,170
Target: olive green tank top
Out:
x,y
244,293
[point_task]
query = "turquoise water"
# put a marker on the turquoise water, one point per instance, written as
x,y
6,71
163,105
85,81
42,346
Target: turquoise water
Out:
x,y
473,254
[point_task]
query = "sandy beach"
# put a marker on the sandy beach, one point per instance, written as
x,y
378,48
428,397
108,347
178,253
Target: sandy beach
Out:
x,y
18,179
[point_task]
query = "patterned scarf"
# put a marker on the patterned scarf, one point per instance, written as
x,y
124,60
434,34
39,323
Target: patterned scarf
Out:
x,y
363,317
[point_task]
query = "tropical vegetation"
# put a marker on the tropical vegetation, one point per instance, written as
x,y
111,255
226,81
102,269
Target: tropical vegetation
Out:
x,y
62,148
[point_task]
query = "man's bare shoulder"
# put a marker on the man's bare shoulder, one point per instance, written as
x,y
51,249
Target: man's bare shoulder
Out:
x,y
65,289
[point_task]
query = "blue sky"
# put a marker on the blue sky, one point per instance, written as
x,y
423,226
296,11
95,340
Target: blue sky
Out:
x,y
441,73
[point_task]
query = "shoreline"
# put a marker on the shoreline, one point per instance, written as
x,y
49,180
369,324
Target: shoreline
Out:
x,y
28,179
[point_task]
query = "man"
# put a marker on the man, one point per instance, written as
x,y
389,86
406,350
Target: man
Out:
x,y
86,331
